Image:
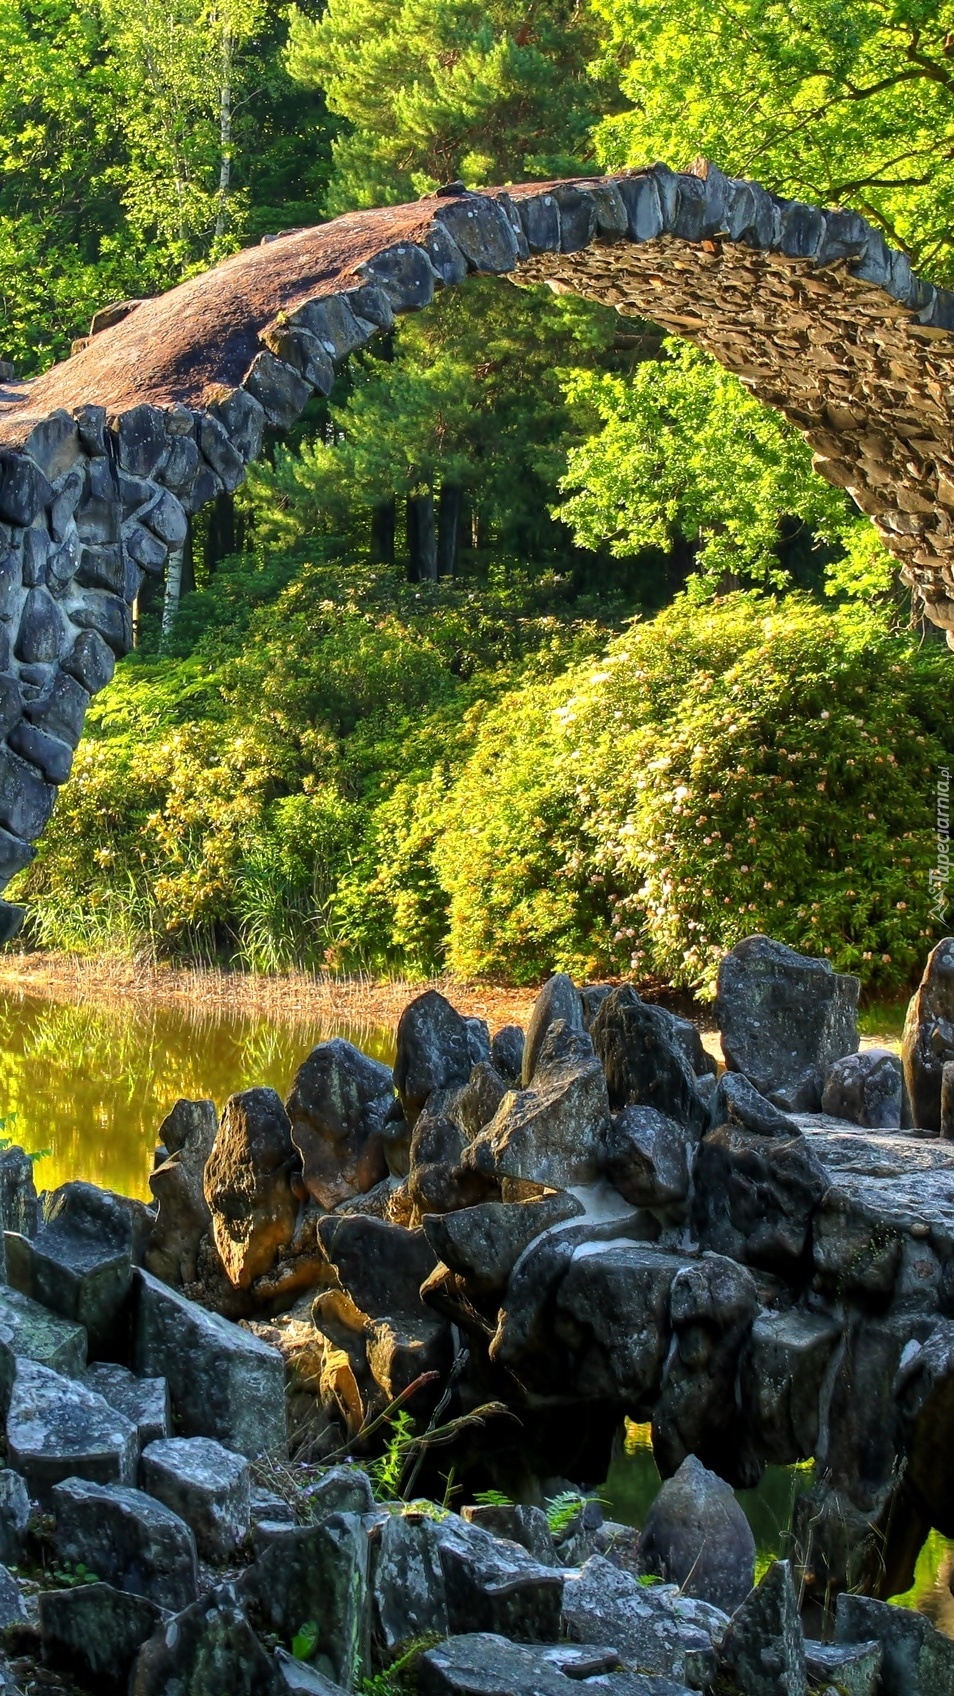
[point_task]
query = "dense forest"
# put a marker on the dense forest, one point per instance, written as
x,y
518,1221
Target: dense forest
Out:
x,y
537,644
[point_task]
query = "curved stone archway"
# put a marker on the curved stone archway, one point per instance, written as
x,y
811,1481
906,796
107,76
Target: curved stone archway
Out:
x,y
104,457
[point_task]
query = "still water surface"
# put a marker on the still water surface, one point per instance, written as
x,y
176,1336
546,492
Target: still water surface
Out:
x,y
91,1083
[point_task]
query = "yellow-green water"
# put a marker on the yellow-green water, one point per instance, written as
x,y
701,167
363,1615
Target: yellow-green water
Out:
x,y
91,1084
633,1482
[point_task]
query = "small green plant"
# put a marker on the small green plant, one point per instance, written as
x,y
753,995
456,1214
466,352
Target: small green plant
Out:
x,y
648,1578
67,1576
387,1471
398,1678
493,1499
305,1641
563,1509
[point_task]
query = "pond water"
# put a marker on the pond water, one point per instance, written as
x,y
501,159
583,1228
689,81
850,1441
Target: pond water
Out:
x,y
633,1483
91,1083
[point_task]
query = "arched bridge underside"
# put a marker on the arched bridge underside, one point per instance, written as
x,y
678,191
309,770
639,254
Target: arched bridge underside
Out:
x,y
103,458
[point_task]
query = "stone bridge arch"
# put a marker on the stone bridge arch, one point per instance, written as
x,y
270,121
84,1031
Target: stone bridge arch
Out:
x,y
103,458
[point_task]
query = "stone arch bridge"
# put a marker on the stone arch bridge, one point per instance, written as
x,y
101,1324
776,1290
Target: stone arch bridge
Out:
x,y
103,458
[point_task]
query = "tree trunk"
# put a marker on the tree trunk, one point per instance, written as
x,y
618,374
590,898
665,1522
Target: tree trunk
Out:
x,y
421,538
225,136
448,529
224,532
383,525
170,605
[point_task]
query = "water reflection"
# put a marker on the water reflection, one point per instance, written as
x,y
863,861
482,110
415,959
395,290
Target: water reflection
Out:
x,y
633,1482
91,1083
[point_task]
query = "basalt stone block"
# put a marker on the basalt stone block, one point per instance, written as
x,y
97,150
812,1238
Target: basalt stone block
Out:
x,y
712,1305
506,1052
95,1632
244,419
225,460
80,1262
62,711
108,616
551,1133
90,661
696,1535
179,468
754,1197
248,1184
645,1066
126,1538
476,1103
433,1051
640,196
539,216
54,444
853,1669
405,274
206,1485
18,1199
382,1266
24,490
490,1586
36,552
559,999
39,1335
479,1662
51,757
12,1609
763,1648
306,354
603,1605
299,1679
11,921
11,704
141,440
11,584
867,1089
337,1108
577,217
644,1157
782,1375
57,1429
91,424
408,1595
335,324
737,1102
144,1401
207,1650
149,553
481,229
784,1018
343,1489
279,390
446,257
483,1243
224,1382
42,634
517,1523
328,1561
14,1516
917,1660
187,1134
928,1040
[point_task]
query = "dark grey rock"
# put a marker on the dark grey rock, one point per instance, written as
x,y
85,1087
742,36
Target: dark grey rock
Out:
x,y
928,1039
550,1133
184,1219
244,420
486,1664
36,1334
141,439
559,999
865,1088
478,1040
145,1401
437,1181
61,711
784,1017
206,1485
404,274
224,1382
697,1536
852,1668
603,1605
14,1516
24,490
343,1489
209,1650
382,1266
18,1202
90,661
644,1064
433,1051
41,637
248,1184
763,1648
737,1102
126,1538
477,1102
107,615
492,1586
782,1375
924,1396
79,1264
14,855
506,1052
280,391
95,1632
26,800
484,1243
408,1594
518,1523
299,1679
712,1305
337,1108
58,1429
644,1157
481,229
331,1562
917,1660
755,1197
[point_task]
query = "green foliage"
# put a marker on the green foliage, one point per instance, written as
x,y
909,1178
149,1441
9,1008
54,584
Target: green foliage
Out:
x,y
432,90
683,450
843,102
399,1677
493,1499
305,1641
387,1469
563,1510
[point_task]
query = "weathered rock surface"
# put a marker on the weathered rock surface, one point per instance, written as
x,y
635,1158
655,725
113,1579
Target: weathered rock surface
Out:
x,y
854,1668
187,1134
126,1538
14,1516
330,1562
763,1648
645,1064
697,1536
917,1660
79,1264
866,1088
207,1650
754,1197
605,1606
483,1244
559,1000
205,1485
493,1586
644,1157
144,1401
95,1632
337,1107
248,1184
223,1382
550,1133
37,1334
57,1429
433,1051
928,1040
784,1018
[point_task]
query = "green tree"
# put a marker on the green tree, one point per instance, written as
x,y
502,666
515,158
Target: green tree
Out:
x,y
436,89
846,102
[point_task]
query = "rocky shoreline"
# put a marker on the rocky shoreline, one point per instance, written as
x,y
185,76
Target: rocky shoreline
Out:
x,y
226,1412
